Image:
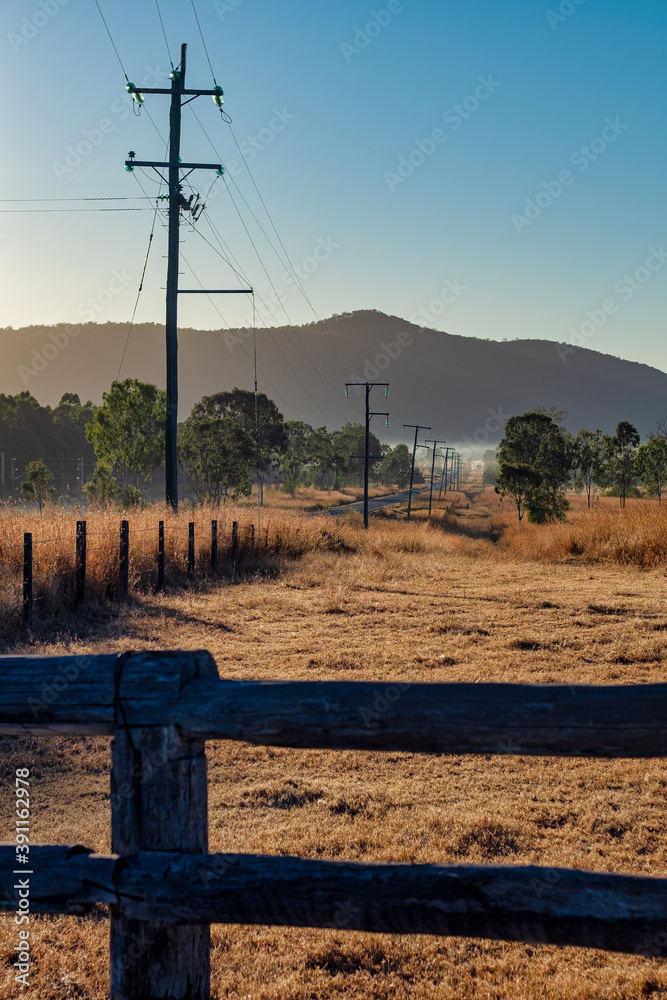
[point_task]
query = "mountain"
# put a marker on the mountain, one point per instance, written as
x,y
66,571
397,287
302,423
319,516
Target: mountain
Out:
x,y
462,386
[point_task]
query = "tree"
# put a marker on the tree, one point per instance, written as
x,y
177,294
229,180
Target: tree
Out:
x,y
102,487
296,453
589,461
396,465
321,454
620,453
38,483
651,465
218,453
351,440
239,404
535,441
127,431
520,482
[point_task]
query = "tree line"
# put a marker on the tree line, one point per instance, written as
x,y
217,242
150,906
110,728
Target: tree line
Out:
x,y
538,459
228,438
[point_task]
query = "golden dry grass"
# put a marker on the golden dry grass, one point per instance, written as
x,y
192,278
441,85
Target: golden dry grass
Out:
x,y
636,535
409,602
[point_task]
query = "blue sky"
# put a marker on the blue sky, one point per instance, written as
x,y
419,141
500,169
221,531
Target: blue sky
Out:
x,y
533,199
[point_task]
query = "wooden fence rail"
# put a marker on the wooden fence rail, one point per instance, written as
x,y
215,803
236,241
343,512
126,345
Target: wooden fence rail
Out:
x,y
555,905
164,889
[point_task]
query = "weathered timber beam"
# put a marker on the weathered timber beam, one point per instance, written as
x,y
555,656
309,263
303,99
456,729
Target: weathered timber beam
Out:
x,y
56,695
615,721
555,906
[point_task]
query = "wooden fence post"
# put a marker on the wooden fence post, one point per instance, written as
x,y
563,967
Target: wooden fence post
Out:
x,y
160,556
191,549
235,544
159,802
124,580
252,537
80,587
27,578
214,546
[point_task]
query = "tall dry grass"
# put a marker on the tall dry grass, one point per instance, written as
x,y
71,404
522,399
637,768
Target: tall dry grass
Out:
x,y
265,544
635,535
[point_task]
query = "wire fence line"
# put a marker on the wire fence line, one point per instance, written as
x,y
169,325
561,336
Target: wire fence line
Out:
x,y
107,564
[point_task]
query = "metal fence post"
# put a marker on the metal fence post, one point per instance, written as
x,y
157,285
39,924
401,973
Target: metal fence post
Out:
x,y
235,544
124,580
214,546
27,578
80,587
191,549
160,556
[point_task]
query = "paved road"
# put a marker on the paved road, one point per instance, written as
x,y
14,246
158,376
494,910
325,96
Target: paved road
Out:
x,y
375,503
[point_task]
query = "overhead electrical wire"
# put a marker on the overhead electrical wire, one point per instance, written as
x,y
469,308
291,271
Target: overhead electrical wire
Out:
x,y
241,274
278,301
236,207
101,198
141,285
203,41
286,263
54,211
112,41
164,33
242,345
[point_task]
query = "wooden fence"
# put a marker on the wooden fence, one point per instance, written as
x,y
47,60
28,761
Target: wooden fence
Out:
x,y
164,890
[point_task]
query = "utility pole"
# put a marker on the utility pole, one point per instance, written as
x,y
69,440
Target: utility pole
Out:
x,y
443,480
81,476
367,450
430,496
418,428
177,203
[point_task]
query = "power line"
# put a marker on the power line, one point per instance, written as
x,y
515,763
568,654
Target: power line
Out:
x,y
243,347
54,211
164,33
112,41
324,381
141,285
203,41
284,263
101,198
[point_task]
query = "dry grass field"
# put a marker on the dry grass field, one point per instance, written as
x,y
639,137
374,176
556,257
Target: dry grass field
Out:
x,y
584,602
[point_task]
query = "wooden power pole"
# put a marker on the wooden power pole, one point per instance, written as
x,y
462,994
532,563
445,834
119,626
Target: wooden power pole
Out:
x,y
177,203
435,448
367,450
418,428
